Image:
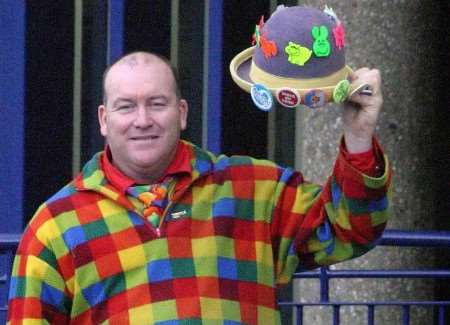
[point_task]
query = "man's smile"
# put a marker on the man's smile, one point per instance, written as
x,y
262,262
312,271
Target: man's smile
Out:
x,y
144,137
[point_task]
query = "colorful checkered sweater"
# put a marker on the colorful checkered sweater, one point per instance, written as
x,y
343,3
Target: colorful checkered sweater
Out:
x,y
235,230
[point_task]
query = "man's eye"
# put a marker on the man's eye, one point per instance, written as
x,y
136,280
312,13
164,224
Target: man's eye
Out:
x,y
125,108
159,104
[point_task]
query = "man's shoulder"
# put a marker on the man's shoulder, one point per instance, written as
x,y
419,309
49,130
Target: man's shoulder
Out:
x,y
69,198
206,162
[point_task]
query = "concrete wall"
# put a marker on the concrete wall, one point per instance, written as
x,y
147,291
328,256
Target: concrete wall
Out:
x,y
407,40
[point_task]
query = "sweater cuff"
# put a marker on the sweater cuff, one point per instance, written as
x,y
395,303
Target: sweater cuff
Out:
x,y
355,179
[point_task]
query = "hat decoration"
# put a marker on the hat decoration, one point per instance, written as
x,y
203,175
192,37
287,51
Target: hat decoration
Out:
x,y
269,48
298,57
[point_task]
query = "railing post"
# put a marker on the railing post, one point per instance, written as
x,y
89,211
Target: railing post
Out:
x,y
405,314
324,285
299,315
441,315
336,318
370,314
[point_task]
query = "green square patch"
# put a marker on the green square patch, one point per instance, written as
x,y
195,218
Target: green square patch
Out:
x,y
206,266
246,270
87,275
231,310
95,229
67,220
265,275
136,277
164,310
245,209
114,284
48,256
118,222
182,267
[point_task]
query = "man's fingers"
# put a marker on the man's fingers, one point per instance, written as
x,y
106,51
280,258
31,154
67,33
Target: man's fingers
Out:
x,y
362,89
366,83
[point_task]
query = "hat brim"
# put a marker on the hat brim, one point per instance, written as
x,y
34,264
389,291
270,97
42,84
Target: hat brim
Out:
x,y
241,65
240,69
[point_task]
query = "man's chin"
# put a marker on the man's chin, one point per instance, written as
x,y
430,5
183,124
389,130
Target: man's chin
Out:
x,y
146,162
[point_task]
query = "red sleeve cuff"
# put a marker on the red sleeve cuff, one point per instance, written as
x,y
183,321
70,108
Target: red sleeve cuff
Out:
x,y
367,162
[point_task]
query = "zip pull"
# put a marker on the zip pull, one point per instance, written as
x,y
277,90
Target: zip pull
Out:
x,y
155,220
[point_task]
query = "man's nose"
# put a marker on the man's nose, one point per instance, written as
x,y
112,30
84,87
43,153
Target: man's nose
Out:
x,y
143,117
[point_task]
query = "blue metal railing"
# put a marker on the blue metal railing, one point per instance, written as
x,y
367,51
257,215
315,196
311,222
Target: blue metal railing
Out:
x,y
390,238
9,242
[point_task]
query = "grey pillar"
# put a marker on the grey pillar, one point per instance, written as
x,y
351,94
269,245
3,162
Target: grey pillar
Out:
x,y
407,41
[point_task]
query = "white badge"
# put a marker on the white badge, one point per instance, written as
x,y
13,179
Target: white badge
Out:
x,y
262,97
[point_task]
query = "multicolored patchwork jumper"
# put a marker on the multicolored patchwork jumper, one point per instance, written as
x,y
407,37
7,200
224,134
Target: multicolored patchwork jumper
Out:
x,y
233,230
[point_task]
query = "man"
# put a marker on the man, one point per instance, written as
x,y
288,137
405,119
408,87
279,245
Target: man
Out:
x,y
158,231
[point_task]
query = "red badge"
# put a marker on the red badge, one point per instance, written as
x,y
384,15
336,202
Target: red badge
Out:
x,y
288,97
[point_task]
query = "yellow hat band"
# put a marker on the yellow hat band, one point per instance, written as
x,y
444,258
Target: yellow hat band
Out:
x,y
272,82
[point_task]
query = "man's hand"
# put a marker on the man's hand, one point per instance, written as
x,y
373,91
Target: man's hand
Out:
x,y
361,111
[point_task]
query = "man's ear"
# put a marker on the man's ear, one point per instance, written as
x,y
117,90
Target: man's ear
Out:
x,y
102,120
184,108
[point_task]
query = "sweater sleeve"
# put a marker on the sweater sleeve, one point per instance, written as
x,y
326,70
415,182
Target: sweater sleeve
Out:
x,y
315,226
37,293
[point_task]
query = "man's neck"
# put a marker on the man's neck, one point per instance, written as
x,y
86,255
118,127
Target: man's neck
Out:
x,y
146,175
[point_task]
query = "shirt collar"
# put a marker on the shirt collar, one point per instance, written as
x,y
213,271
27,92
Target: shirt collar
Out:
x,y
180,164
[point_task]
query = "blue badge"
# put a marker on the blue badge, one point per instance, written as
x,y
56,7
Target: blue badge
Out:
x,y
262,97
315,98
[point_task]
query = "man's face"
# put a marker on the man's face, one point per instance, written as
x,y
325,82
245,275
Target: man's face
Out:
x,y
142,118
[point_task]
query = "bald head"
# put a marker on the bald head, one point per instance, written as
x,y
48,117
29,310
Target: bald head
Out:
x,y
137,60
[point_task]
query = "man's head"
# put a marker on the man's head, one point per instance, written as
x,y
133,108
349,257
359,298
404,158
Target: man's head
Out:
x,y
131,57
142,115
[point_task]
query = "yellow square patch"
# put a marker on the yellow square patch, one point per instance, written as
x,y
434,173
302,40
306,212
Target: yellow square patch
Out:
x,y
267,315
264,253
48,231
131,258
141,315
204,247
109,207
211,308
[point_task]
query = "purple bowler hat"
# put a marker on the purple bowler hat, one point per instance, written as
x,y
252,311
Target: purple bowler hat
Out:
x,y
298,56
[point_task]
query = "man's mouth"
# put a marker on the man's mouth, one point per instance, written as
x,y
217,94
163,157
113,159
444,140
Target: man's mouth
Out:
x,y
145,138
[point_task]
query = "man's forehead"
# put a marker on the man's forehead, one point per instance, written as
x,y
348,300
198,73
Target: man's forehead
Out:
x,y
136,59
132,62
138,63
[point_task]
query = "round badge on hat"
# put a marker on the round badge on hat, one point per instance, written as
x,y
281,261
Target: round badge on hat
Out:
x,y
262,97
288,97
315,98
340,92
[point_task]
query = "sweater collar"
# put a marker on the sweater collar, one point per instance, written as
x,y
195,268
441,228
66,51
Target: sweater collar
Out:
x,y
100,175
180,165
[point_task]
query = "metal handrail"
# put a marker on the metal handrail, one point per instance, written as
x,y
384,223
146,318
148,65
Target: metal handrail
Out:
x,y
9,241
397,238
432,238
